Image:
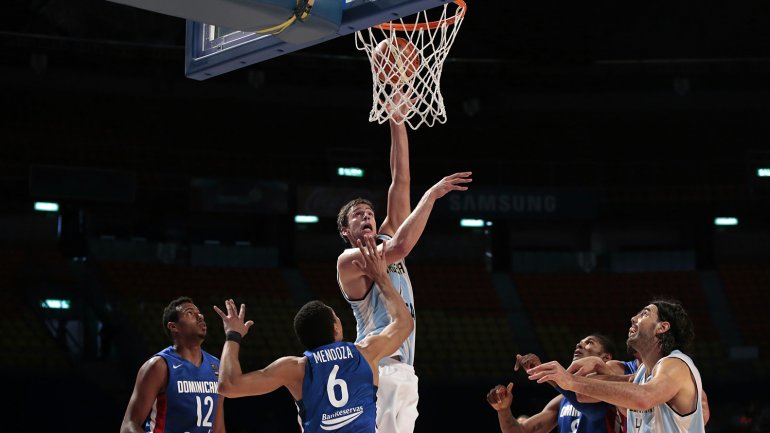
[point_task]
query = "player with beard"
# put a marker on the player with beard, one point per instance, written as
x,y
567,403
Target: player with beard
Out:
x,y
666,393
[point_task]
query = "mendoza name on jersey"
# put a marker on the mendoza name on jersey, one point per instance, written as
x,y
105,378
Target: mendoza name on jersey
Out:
x,y
332,354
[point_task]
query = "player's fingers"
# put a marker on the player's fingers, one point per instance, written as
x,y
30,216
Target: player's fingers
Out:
x,y
517,365
460,174
220,312
491,396
536,376
382,253
371,246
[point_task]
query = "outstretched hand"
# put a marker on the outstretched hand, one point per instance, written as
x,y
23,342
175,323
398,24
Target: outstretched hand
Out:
x,y
234,320
587,365
374,265
500,397
453,182
525,362
551,372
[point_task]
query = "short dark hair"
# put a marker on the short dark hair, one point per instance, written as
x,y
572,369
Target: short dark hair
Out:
x,y
314,324
171,314
342,216
607,344
681,332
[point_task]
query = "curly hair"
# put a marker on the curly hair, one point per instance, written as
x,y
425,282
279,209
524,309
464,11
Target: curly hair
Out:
x,y
342,216
171,314
314,324
681,332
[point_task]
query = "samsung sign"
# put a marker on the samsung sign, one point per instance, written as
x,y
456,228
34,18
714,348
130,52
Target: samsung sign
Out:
x,y
536,204
474,203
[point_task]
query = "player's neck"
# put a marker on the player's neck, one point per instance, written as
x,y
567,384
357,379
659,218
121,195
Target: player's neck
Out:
x,y
190,351
650,357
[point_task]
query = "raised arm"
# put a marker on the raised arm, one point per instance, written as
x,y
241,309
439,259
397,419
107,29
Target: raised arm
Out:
x,y
287,371
411,229
500,398
150,381
376,347
353,280
399,197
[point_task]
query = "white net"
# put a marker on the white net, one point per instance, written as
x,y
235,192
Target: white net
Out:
x,y
407,57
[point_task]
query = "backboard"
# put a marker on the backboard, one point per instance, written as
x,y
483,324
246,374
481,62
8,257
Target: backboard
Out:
x,y
212,50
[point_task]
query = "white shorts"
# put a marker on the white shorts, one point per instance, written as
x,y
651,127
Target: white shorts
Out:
x,y
396,397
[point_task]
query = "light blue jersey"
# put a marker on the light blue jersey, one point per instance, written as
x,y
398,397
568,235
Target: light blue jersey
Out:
x,y
372,316
662,418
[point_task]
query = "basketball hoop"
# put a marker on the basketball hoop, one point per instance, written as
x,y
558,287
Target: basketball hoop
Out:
x,y
407,59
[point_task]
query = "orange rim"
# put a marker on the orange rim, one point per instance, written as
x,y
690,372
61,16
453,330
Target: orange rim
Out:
x,y
426,26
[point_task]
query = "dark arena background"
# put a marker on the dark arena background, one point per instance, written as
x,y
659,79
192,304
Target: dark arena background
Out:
x,y
605,140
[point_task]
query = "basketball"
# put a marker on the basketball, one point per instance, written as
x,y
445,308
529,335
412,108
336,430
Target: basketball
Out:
x,y
396,60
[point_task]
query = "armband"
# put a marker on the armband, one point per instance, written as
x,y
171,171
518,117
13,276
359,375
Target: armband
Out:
x,y
234,336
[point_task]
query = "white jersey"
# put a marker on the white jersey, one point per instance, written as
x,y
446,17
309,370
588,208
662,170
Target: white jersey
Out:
x,y
372,316
662,418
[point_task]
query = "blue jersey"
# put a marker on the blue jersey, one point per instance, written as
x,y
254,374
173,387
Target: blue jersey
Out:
x,y
338,392
189,403
630,367
372,316
576,417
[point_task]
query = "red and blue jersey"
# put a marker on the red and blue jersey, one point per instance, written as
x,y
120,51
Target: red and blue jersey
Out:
x,y
189,403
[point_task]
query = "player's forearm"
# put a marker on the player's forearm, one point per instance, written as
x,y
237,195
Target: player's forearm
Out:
x,y
131,427
399,197
508,423
411,229
624,394
229,369
399,154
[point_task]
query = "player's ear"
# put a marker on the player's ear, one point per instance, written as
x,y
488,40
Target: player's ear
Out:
x,y
662,327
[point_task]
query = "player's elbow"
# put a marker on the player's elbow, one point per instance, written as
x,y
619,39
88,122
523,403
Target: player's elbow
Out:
x,y
409,325
226,388
643,402
405,325
397,250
